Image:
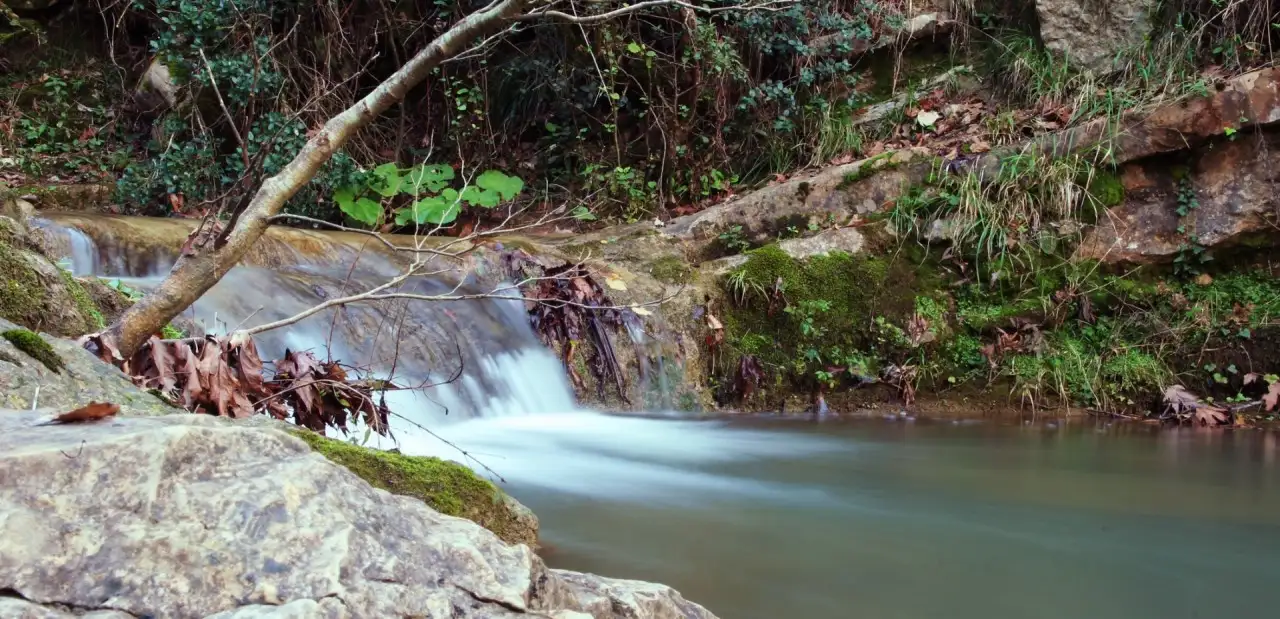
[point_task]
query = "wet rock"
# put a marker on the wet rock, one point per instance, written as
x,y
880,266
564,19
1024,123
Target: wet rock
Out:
x,y
1090,32
193,516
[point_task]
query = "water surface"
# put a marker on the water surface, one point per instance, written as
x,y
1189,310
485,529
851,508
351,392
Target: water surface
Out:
x,y
877,519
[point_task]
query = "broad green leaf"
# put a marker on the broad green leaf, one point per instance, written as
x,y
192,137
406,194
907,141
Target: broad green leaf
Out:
x,y
507,186
634,47
476,196
365,211
432,210
386,180
426,178
344,197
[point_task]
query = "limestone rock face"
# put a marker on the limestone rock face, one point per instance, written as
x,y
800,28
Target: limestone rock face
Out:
x,y
1090,32
193,516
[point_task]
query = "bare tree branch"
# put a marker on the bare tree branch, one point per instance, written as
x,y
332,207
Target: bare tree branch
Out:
x,y
768,5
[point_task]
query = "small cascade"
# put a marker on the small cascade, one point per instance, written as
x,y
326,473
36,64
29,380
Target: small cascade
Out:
x,y
472,358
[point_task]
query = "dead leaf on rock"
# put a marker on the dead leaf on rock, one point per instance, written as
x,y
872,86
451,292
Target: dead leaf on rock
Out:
x,y
91,412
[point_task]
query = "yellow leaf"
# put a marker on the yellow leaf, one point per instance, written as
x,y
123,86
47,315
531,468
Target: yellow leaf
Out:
x,y
615,283
640,311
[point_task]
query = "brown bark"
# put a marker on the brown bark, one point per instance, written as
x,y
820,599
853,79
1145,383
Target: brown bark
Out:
x,y
195,274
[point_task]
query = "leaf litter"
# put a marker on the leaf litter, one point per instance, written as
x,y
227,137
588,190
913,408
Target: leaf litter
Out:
x,y
225,376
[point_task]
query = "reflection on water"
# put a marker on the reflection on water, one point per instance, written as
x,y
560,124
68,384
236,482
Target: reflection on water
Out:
x,y
759,519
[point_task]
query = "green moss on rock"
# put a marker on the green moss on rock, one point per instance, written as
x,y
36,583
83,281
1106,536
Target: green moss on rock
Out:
x,y
853,289
93,316
22,294
447,487
1107,189
671,270
35,347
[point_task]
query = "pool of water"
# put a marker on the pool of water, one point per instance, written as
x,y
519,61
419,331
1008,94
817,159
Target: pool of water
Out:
x,y
760,519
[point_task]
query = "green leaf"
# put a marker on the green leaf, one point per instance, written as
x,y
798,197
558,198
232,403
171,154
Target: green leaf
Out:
x,y
365,211
634,47
436,210
345,197
582,213
425,178
507,186
476,196
385,179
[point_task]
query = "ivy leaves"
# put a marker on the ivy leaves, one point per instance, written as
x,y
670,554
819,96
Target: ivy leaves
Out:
x,y
431,198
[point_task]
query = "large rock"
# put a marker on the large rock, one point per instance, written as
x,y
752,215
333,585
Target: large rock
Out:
x,y
1091,32
1234,185
25,381
192,516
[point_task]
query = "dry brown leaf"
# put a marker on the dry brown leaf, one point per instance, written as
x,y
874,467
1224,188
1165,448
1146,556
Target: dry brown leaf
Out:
x,y
1272,397
1210,416
91,412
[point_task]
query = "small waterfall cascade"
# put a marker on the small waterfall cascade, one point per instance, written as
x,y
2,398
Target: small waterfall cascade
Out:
x,y
472,358
492,396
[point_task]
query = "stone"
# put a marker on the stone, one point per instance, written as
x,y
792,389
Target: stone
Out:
x,y
847,240
83,379
1091,32
189,516
1234,183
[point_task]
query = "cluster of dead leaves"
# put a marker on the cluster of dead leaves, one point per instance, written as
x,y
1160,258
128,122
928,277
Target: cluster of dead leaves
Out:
x,y
224,376
566,306
1185,406
1022,336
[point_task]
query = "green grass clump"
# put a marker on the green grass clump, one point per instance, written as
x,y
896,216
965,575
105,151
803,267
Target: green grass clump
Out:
x,y
447,487
35,347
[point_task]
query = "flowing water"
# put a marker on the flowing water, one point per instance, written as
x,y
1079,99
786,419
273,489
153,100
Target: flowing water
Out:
x,y
763,519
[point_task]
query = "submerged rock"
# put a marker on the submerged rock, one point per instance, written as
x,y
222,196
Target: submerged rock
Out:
x,y
193,516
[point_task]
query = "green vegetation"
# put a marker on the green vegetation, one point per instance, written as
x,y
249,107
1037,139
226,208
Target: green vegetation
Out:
x,y
92,315
447,487
22,293
35,347
802,317
1005,219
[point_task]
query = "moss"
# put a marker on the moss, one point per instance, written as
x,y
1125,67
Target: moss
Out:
x,y
671,270
93,317
830,303
447,487
1106,188
22,294
881,162
35,347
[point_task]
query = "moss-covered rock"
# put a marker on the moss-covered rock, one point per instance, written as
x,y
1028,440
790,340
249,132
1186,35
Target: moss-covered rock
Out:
x,y
35,347
671,270
447,487
39,295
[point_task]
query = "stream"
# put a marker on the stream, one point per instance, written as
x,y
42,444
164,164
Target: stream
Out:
x,y
759,518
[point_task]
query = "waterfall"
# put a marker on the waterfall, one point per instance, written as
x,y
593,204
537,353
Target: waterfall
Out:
x,y
501,369
510,411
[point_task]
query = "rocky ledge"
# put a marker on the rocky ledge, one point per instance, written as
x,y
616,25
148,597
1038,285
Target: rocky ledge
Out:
x,y
193,516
